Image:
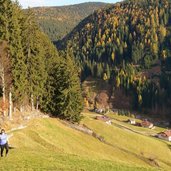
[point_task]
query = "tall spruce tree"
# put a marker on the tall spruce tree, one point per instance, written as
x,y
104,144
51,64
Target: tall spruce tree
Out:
x,y
35,59
67,99
10,31
17,56
5,19
52,61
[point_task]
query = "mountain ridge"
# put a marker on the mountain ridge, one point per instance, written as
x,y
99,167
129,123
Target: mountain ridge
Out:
x,y
57,21
71,5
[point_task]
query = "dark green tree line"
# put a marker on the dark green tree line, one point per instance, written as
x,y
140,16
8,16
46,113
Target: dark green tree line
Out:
x,y
40,76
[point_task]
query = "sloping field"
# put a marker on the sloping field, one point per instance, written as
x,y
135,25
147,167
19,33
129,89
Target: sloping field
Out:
x,y
48,145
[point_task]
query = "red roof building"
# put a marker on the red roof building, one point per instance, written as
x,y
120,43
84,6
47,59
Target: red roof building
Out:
x,y
147,124
166,135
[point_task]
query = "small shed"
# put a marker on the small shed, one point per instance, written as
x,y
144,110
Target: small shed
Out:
x,y
166,135
131,121
100,111
104,119
147,124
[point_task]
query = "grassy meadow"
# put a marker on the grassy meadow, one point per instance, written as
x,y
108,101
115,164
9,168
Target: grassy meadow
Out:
x,y
49,145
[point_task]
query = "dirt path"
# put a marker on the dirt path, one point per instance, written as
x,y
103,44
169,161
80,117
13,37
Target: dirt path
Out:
x,y
130,130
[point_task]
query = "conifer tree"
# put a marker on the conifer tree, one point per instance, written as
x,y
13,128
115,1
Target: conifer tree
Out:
x,y
67,100
17,56
34,50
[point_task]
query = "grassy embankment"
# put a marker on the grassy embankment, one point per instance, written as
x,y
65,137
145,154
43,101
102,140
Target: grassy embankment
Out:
x,y
47,144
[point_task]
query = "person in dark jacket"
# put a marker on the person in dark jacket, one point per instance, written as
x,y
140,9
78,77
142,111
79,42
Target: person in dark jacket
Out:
x,y
3,142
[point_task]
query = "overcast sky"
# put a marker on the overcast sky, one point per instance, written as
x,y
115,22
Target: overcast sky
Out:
x,y
34,3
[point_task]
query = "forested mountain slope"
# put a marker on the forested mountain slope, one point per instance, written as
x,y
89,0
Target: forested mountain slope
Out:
x,y
56,22
129,45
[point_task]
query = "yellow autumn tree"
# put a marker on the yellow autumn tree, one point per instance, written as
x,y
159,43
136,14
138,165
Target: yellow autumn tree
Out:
x,y
118,82
113,56
163,32
105,77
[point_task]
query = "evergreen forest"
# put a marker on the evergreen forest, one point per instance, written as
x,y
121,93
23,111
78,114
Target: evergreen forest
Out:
x,y
128,45
32,71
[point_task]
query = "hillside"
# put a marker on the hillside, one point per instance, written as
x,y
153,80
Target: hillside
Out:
x,y
56,22
47,144
128,44
118,54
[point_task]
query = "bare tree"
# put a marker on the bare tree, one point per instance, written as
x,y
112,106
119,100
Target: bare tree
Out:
x,y
3,88
5,73
10,105
32,102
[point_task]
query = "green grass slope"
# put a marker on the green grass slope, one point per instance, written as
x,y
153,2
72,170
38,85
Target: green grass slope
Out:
x,y
47,144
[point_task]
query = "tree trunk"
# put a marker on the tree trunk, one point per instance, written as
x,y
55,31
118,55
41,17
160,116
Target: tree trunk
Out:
x,y
3,91
15,109
37,103
21,108
10,106
32,103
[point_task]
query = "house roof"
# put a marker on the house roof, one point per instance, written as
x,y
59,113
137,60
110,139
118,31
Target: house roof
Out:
x,y
167,133
103,118
131,120
146,123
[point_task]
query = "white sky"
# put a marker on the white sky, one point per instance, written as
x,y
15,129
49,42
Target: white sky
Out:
x,y
34,3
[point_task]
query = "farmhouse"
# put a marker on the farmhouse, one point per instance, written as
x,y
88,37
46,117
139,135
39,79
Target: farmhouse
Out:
x,y
147,124
104,119
166,135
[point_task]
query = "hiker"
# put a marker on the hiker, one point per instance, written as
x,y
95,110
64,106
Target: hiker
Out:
x,y
3,142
